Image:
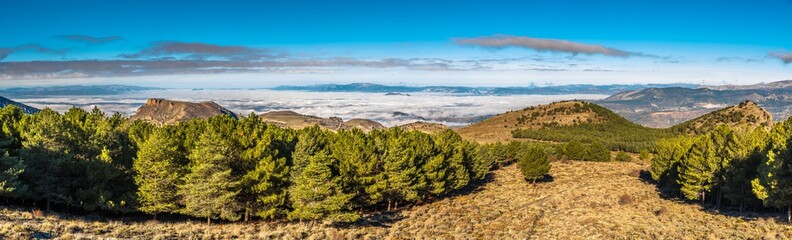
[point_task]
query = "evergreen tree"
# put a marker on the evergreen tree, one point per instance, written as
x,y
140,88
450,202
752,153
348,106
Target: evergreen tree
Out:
x,y
483,161
358,166
209,189
47,154
10,169
405,179
697,172
670,152
534,163
317,193
597,152
575,150
774,183
159,167
311,141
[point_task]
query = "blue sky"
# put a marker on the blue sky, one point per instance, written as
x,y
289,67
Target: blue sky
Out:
x,y
483,43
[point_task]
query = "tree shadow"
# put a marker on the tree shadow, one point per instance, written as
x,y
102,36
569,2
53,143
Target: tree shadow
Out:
x,y
381,219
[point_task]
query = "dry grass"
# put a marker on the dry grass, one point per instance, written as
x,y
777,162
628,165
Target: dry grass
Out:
x,y
585,200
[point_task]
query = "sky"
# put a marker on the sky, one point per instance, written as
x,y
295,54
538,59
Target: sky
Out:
x,y
462,43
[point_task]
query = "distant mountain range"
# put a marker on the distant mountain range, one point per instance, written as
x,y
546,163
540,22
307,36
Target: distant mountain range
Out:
x,y
663,107
25,108
546,90
76,90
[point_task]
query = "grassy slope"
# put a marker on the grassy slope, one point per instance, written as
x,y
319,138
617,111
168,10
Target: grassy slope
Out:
x,y
585,200
500,127
588,122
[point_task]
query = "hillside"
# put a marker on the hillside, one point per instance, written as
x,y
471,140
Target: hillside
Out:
x,y
500,127
665,107
295,120
161,111
426,127
25,108
588,122
744,115
589,200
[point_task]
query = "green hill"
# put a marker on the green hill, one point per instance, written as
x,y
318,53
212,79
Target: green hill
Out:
x,y
618,133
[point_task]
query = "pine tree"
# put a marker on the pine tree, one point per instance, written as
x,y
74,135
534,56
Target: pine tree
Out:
x,y
159,167
483,161
697,172
10,169
670,152
317,194
597,152
534,163
311,141
774,183
11,166
358,165
209,189
403,161
575,150
47,156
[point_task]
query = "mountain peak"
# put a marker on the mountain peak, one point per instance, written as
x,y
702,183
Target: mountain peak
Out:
x,y
162,111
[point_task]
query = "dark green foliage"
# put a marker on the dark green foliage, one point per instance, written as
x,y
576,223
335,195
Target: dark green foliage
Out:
x,y
47,158
534,163
598,152
623,157
727,167
209,189
575,150
226,168
317,193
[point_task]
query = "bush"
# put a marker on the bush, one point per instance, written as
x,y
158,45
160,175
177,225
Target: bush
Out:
x,y
644,155
534,163
598,152
623,157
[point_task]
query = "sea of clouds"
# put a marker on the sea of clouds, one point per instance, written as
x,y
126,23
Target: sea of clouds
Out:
x,y
390,110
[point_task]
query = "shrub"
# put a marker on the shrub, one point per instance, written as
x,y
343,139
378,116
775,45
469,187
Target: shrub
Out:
x,y
534,163
644,155
623,157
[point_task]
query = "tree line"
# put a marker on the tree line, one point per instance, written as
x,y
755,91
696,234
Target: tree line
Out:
x,y
733,167
232,169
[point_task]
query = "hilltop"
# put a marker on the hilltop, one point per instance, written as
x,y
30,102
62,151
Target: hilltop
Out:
x,y
161,111
588,122
744,115
25,108
295,120
500,127
425,127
